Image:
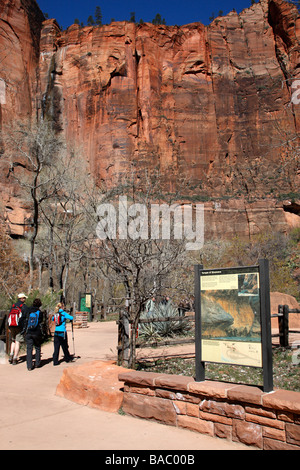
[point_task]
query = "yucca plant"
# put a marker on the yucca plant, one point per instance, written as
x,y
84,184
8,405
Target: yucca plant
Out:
x,y
163,328
148,332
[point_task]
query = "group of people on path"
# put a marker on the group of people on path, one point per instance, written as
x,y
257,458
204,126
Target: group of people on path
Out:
x,y
25,323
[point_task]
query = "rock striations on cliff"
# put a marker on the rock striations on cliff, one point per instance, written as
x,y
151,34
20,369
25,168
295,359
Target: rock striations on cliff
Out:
x,y
214,105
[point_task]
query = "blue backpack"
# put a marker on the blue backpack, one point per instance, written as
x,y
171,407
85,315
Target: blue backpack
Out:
x,y
33,320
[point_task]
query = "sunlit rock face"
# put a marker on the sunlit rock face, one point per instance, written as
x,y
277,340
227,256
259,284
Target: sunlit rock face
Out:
x,y
212,108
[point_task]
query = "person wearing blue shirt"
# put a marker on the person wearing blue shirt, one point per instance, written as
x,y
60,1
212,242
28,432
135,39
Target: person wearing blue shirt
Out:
x,y
60,333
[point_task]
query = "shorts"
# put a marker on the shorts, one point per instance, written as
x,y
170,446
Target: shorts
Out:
x,y
15,334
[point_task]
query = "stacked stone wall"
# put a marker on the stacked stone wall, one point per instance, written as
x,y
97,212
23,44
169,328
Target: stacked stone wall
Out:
x,y
269,421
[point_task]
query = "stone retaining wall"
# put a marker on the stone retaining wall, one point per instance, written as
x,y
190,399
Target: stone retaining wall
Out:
x,y
269,421
80,320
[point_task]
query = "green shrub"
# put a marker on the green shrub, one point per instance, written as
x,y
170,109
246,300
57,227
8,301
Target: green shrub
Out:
x,y
161,329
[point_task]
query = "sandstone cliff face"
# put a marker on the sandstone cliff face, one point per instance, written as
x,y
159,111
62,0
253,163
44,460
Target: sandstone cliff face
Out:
x,y
20,26
211,105
20,29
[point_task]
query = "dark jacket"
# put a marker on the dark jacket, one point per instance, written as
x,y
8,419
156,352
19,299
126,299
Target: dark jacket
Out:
x,y
19,303
38,330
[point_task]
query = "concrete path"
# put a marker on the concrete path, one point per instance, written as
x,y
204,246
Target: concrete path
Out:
x,y
32,417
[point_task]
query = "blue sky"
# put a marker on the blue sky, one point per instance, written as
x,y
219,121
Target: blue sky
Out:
x,y
174,11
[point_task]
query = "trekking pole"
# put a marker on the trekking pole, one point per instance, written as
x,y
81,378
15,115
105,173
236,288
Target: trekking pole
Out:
x,y
73,338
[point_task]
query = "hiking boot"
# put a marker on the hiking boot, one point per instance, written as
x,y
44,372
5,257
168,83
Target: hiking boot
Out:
x,y
15,360
71,359
10,360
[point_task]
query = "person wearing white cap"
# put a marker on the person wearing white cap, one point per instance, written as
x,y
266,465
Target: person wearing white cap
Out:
x,y
22,297
16,326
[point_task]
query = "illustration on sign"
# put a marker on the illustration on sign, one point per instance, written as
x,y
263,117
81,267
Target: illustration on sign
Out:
x,y
230,317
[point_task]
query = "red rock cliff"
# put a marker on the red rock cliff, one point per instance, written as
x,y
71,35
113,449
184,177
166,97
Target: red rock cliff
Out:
x,y
210,104
20,30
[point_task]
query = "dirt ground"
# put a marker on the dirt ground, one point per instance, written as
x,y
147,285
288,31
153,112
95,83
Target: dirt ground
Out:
x,y
32,417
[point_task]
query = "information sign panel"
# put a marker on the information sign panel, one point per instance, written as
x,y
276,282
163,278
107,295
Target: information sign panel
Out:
x,y
233,318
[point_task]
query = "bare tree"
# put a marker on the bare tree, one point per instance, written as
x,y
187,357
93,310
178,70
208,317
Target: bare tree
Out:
x,y
32,151
64,217
11,269
134,260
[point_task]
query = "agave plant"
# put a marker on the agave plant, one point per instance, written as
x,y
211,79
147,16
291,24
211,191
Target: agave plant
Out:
x,y
148,332
163,328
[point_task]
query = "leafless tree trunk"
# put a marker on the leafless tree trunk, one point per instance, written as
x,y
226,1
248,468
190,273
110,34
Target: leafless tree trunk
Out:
x,y
33,149
139,264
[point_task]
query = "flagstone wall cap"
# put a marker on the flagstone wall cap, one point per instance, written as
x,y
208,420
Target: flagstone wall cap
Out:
x,y
246,394
139,377
210,388
177,382
285,400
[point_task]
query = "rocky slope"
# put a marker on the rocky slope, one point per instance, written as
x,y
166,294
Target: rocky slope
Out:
x,y
215,106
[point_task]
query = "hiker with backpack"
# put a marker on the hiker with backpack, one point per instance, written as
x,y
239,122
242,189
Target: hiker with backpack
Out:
x,y
60,333
15,326
33,333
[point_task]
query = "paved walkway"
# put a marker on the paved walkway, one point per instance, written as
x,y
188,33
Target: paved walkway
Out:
x,y
32,417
